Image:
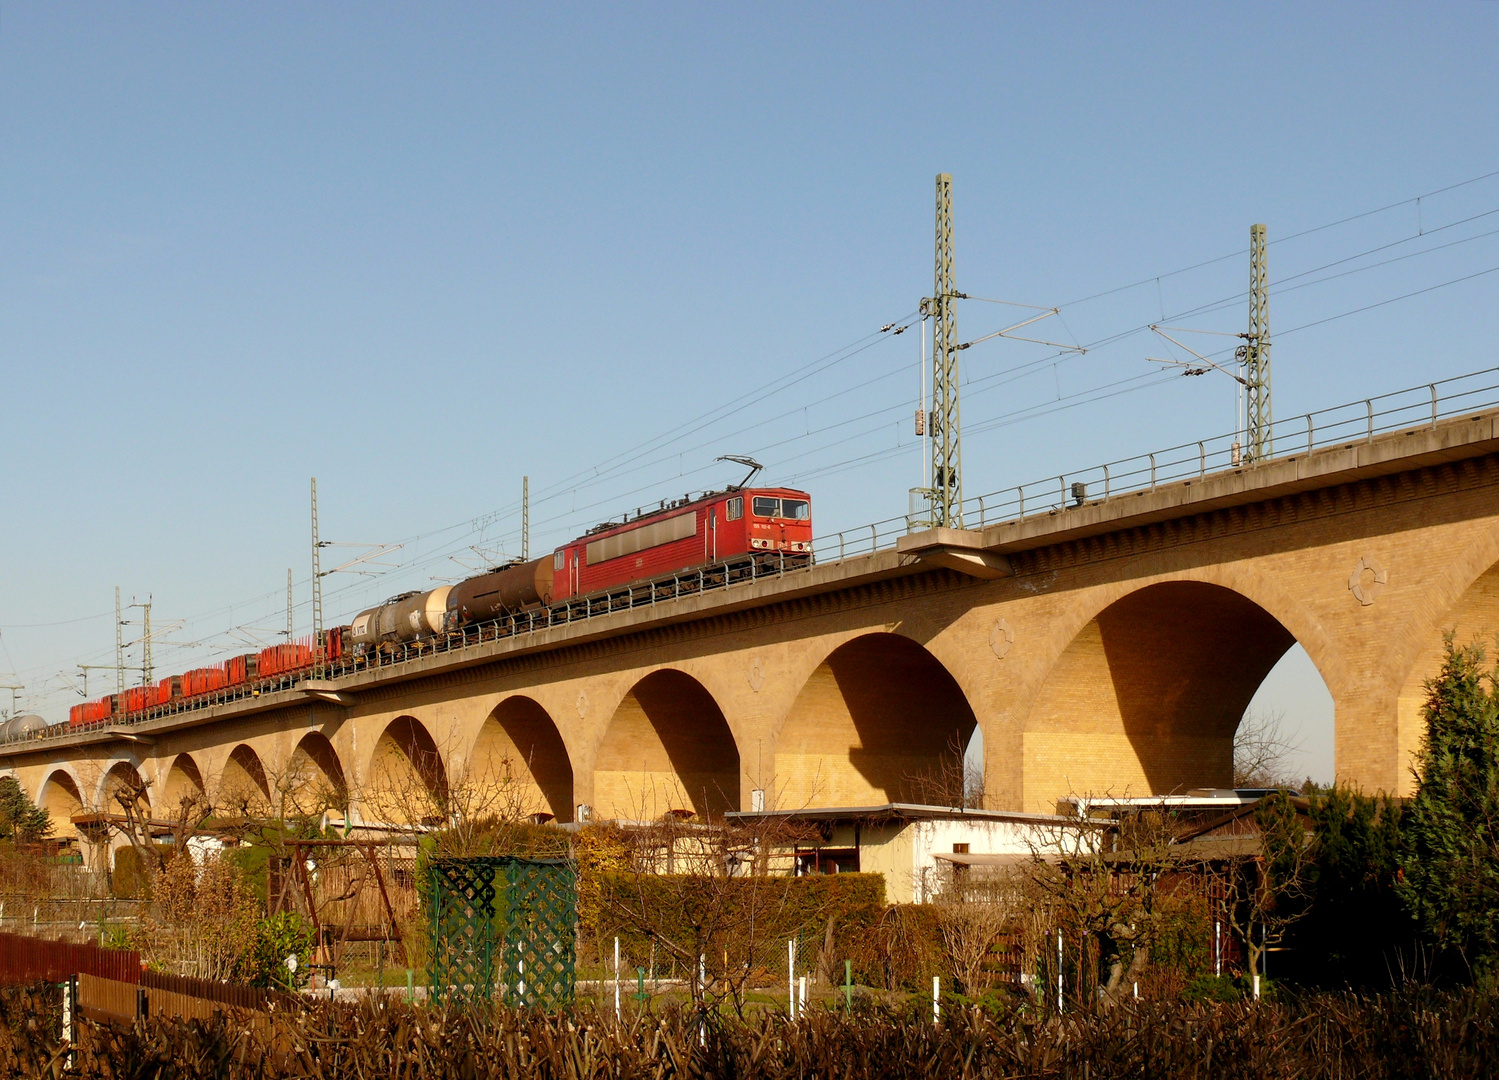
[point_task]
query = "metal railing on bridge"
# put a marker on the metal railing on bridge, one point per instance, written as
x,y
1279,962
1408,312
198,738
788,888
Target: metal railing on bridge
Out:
x,y
1342,425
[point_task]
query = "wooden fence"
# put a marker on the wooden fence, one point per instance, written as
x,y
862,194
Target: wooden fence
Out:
x,y
25,960
112,986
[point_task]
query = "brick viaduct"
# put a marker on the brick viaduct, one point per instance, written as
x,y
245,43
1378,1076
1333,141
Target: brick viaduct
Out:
x,y
1109,647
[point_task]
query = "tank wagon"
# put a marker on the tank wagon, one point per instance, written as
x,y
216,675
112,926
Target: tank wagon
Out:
x,y
769,527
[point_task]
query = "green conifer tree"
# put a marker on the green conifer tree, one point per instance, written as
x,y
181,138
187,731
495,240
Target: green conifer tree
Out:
x,y
21,822
1450,871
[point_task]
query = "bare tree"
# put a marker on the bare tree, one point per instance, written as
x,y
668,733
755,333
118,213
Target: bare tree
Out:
x,y
129,800
952,781
1101,878
1263,752
1267,892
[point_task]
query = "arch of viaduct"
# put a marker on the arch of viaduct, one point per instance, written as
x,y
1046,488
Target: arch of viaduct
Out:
x,y
1111,648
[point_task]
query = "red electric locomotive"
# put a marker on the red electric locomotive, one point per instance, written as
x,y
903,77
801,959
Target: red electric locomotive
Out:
x,y
685,535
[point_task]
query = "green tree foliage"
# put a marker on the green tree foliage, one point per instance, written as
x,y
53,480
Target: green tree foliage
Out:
x,y
1357,931
21,821
1451,865
276,938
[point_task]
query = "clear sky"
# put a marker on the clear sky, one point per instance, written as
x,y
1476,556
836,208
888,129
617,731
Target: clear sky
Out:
x,y
420,251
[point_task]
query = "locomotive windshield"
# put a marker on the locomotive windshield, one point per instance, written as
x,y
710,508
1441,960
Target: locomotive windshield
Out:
x,y
795,509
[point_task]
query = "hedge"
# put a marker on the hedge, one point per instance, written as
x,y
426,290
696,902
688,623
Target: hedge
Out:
x,y
735,921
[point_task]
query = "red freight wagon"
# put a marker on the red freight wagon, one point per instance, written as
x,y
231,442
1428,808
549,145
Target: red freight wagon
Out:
x,y
238,669
167,689
90,712
202,681
712,529
279,659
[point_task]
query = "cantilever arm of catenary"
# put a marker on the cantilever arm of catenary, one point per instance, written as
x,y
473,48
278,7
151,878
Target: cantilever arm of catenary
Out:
x,y
1210,363
376,550
1005,333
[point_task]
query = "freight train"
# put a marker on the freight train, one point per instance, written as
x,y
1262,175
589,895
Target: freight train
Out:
x,y
768,526
770,523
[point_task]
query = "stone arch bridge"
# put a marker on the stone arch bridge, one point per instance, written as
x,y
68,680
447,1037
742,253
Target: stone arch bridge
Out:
x,y
1111,647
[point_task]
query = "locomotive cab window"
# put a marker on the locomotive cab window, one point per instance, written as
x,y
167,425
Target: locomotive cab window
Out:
x,y
559,560
733,510
794,509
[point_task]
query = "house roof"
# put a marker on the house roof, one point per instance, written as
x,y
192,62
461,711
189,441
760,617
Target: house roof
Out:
x,y
1014,858
895,811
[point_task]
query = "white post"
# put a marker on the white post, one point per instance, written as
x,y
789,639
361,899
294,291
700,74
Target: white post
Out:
x,y
936,999
801,994
1137,991
67,1010
1256,981
791,977
1218,948
1059,969
616,978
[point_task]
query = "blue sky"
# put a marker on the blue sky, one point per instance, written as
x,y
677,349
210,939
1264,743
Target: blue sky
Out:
x,y
420,251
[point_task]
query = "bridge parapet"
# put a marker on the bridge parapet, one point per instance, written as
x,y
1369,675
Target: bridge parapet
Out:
x,y
980,552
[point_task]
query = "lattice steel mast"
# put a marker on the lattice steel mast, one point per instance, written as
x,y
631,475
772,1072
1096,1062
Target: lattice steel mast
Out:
x,y
1255,352
147,669
317,579
119,645
946,493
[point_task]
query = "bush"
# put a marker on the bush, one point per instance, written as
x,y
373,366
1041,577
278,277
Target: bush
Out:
x,y
1356,930
727,919
131,879
1183,944
1214,988
901,950
276,938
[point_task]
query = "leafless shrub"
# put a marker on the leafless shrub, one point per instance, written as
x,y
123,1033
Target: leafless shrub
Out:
x,y
201,920
976,913
1100,879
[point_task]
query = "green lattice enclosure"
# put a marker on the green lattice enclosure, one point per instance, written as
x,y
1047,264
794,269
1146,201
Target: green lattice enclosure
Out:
x,y
503,923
